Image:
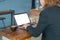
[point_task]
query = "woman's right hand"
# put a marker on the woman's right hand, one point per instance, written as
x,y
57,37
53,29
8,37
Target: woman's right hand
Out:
x,y
26,25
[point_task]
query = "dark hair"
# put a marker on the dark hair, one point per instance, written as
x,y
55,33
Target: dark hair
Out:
x,y
51,3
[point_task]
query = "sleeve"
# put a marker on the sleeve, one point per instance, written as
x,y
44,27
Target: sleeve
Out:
x,y
42,24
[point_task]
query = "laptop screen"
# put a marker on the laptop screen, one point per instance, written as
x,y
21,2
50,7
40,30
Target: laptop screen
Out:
x,y
21,19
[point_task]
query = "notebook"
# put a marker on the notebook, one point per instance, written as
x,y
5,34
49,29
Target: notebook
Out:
x,y
22,19
5,38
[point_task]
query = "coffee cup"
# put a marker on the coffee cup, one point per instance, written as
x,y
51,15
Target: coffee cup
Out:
x,y
13,28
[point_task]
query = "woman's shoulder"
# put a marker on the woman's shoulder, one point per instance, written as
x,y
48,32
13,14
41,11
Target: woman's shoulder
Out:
x,y
51,9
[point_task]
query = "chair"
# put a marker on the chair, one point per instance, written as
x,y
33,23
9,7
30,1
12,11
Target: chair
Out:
x,y
4,18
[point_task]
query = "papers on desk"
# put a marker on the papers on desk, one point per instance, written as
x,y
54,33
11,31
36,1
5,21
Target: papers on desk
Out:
x,y
22,19
5,38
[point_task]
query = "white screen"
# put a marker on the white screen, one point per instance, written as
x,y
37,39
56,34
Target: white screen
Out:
x,y
22,19
5,38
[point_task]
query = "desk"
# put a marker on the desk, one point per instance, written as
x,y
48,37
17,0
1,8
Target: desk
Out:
x,y
19,34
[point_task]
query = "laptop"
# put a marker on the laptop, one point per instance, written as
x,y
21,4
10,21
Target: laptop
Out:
x,y
4,38
21,19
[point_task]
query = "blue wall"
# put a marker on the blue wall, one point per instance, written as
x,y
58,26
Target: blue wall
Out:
x,y
17,5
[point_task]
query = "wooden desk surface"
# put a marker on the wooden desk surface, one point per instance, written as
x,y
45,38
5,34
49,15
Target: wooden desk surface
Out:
x,y
19,34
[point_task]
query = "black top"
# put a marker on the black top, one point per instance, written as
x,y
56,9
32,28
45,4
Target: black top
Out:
x,y
48,25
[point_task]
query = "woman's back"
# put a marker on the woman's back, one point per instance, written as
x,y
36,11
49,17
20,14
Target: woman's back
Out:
x,y
52,31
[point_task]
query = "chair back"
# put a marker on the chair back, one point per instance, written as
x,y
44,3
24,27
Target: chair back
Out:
x,y
7,17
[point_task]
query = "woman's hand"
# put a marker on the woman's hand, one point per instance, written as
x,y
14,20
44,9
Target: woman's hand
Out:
x,y
26,25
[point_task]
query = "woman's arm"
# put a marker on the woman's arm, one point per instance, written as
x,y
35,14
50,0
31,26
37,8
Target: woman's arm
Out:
x,y
42,24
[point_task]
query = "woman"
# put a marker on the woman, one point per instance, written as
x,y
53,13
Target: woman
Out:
x,y
49,21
